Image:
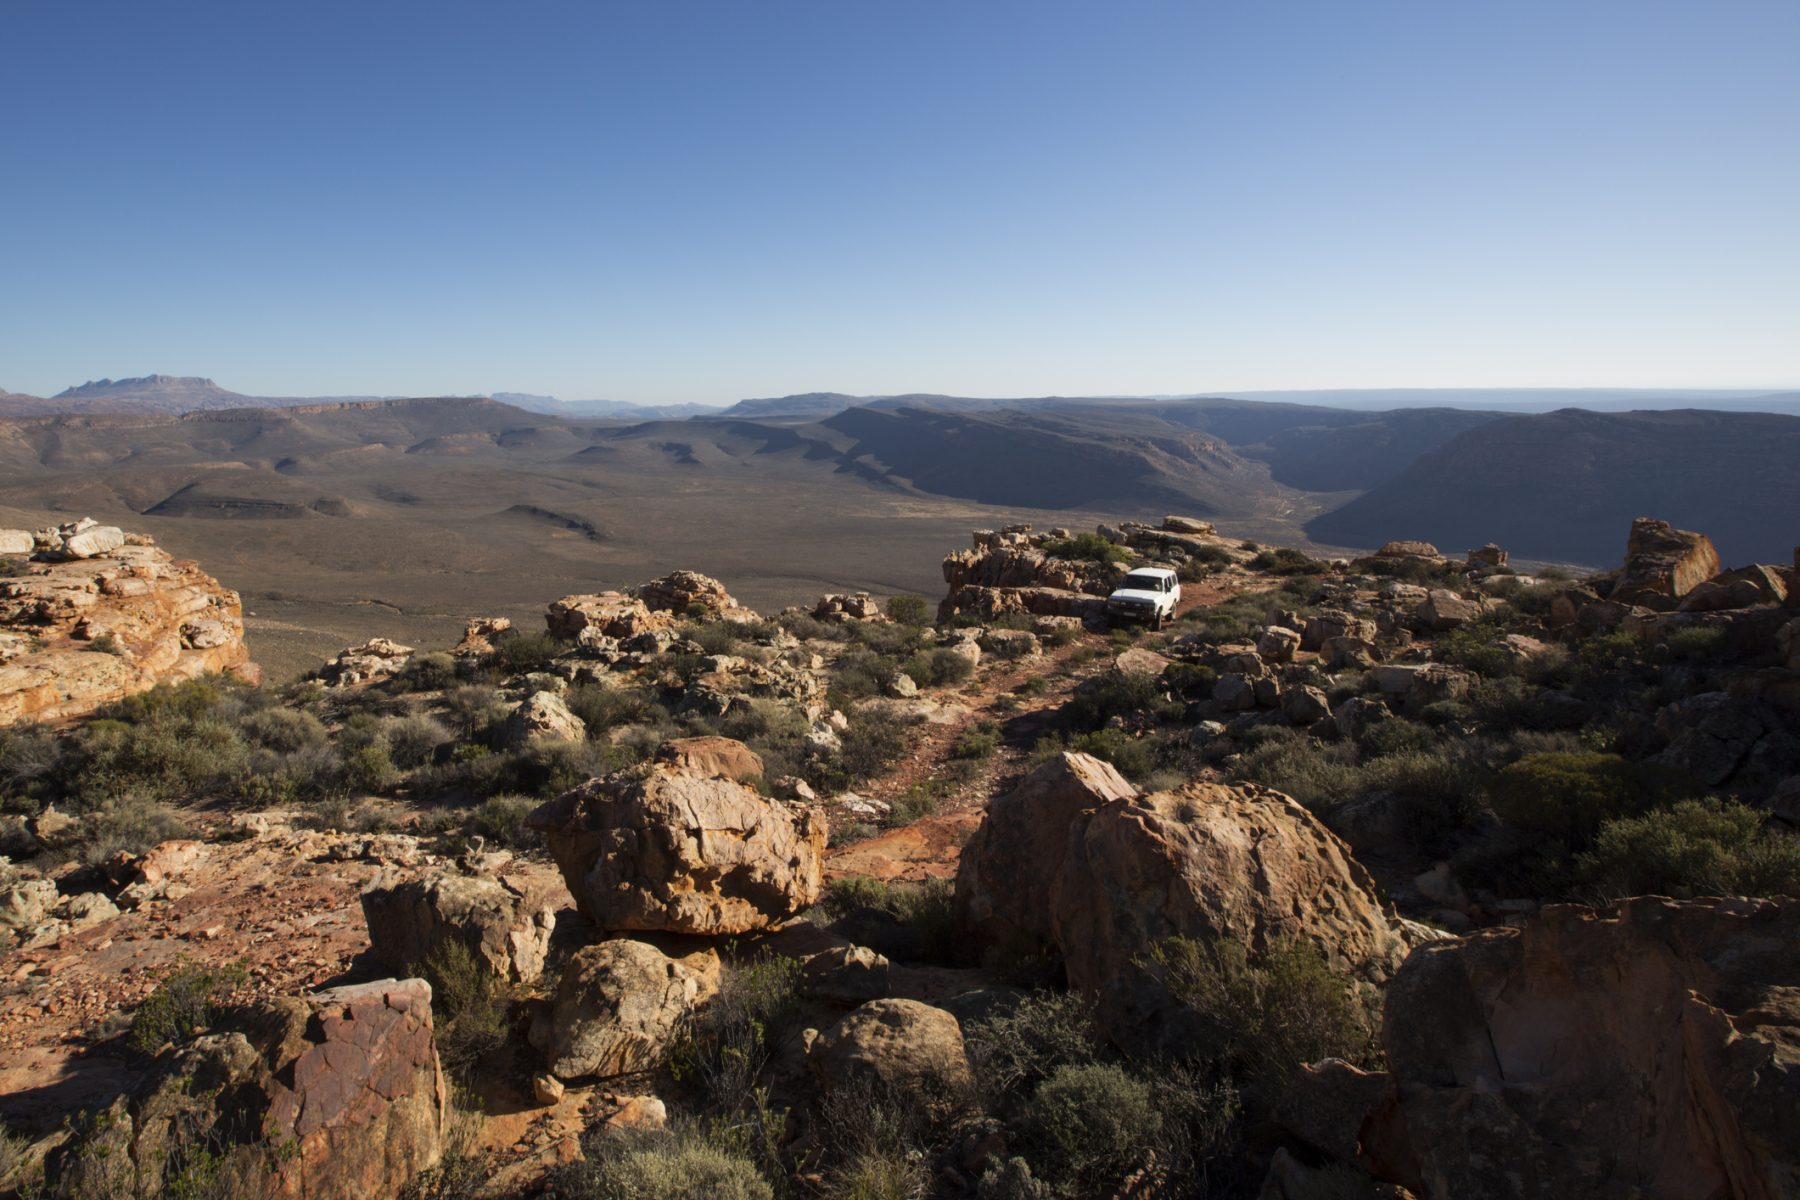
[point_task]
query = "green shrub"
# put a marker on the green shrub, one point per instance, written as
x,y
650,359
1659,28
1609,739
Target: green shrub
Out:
x,y
1567,796
601,709
1698,643
475,707
1014,1050
1087,547
285,730
868,748
978,742
501,820
927,909
939,667
1117,694
1693,848
859,674
12,568
1319,775
469,1007
721,1054
191,997
412,740
908,609
1088,1126
683,1163
130,825
525,652
431,671
1262,1017
1135,758
1287,561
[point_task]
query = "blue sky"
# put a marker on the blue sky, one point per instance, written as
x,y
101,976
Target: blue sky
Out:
x,y
704,201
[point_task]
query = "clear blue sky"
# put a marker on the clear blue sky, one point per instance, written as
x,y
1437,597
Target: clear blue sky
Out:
x,y
704,201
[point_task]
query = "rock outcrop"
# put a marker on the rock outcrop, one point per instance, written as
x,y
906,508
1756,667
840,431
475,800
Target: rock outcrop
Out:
x,y
373,661
503,920
334,1096
1076,862
691,594
582,619
543,717
108,619
664,849
618,1006
903,1046
1647,1050
1663,564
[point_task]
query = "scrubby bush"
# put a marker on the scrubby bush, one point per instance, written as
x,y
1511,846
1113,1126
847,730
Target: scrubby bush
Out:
x,y
430,671
1693,848
1116,694
474,708
926,912
190,998
129,825
526,651
978,742
1087,547
501,820
1285,560
1089,1125
602,708
723,1051
908,609
285,730
867,748
1017,1048
687,1162
1567,796
859,674
469,1007
1261,1017
412,740
939,667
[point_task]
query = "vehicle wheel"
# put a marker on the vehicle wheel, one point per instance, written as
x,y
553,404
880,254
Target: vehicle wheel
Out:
x,y
1156,623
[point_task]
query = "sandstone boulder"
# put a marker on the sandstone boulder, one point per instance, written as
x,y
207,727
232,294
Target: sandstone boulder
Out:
x,y
1488,557
374,660
17,541
80,633
856,606
583,618
712,758
1187,525
504,921
689,593
334,1096
905,1046
1349,653
1663,564
1649,1049
1444,610
619,1005
479,636
1408,550
1277,644
1334,623
1003,882
667,850
1076,862
543,717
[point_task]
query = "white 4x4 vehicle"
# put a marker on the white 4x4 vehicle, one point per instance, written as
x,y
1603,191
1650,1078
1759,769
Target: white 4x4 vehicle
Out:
x,y
1147,594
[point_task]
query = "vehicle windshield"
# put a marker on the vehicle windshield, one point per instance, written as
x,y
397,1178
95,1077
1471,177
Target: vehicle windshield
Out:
x,y
1142,582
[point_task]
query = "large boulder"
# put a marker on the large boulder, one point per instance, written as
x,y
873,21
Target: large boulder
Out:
x,y
664,849
17,541
1077,863
1663,564
334,1096
80,631
903,1046
1646,1050
619,1005
689,593
1003,882
712,758
584,618
544,717
504,921
374,660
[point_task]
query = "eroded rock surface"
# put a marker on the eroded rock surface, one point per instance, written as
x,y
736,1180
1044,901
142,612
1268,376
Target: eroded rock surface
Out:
x,y
666,849
619,1004
503,920
1647,1050
108,622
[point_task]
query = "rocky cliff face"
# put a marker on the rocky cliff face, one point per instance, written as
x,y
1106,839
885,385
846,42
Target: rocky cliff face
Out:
x,y
95,615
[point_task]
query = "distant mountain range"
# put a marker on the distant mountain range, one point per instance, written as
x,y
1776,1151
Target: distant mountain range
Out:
x,y
1559,484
